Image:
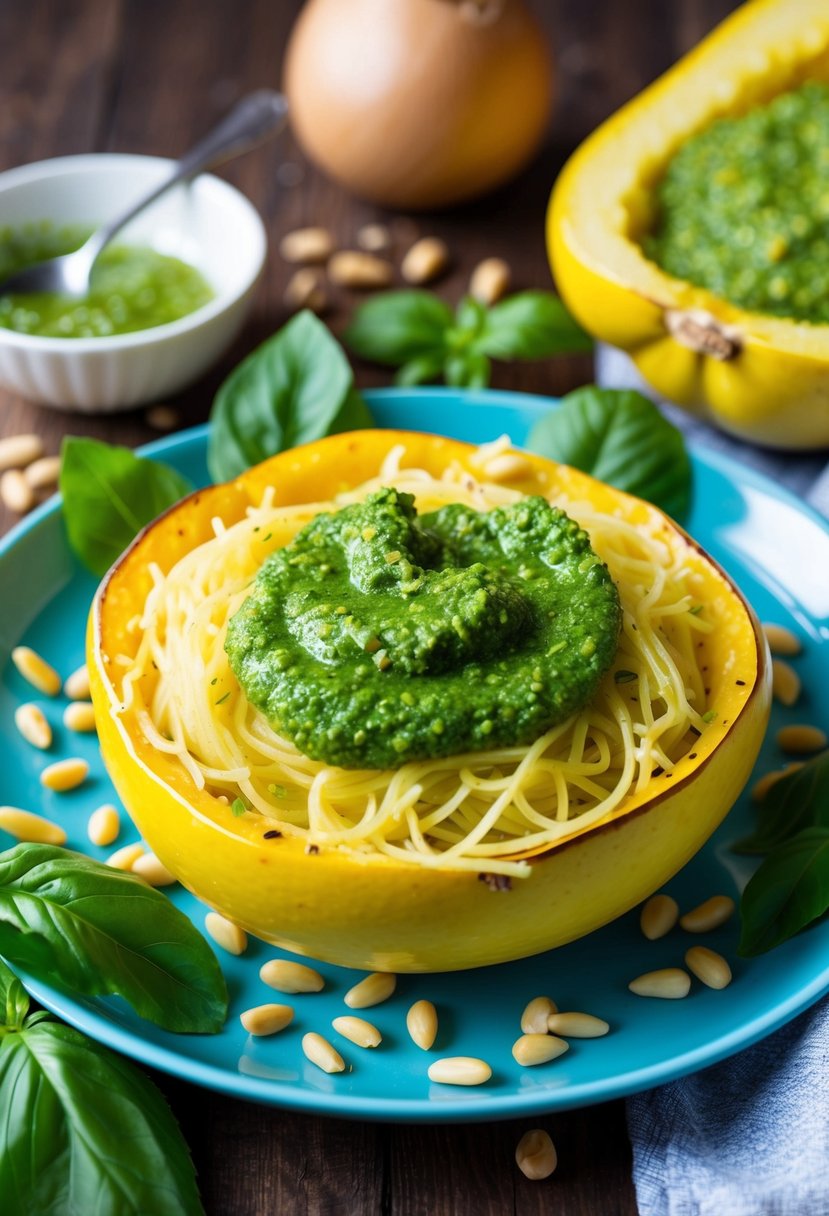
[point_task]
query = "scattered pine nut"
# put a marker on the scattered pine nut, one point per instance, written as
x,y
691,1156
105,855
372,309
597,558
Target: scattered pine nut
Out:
x,y
670,983
80,717
534,1018
76,686
125,857
577,1025
17,451
31,722
422,1024
307,245
763,784
153,871
64,774
305,290
426,259
801,739
532,1049
358,1031
43,472
104,825
320,1052
285,976
373,990
785,682
658,917
374,238
708,915
489,280
34,829
36,670
781,640
162,418
225,934
266,1019
708,966
507,467
351,268
459,1070
15,491
536,1155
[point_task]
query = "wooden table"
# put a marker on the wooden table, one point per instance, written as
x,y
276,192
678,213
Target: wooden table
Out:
x,y
150,76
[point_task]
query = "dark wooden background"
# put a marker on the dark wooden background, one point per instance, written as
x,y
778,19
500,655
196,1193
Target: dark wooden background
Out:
x,y
150,76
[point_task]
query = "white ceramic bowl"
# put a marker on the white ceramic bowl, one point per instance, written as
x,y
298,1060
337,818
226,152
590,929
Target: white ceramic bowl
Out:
x,y
207,223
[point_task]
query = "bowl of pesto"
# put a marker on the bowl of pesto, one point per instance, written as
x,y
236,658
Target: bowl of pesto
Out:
x,y
165,300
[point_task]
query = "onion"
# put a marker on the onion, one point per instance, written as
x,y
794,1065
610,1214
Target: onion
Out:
x,y
418,103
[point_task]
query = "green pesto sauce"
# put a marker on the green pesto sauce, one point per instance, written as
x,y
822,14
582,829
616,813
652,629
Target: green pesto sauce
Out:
x,y
132,287
744,208
379,636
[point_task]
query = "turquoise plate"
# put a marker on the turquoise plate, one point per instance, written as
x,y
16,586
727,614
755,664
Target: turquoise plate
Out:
x,y
774,548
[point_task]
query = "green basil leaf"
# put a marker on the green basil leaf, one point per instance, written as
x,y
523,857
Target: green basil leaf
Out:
x,y
620,437
394,327
84,1133
294,388
109,494
788,892
470,315
420,370
467,370
14,999
800,800
102,932
531,325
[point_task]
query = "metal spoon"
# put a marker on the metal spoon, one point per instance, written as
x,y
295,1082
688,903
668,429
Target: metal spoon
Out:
x,y
252,120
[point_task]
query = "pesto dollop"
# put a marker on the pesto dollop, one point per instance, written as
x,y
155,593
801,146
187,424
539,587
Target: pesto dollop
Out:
x,y
744,208
380,636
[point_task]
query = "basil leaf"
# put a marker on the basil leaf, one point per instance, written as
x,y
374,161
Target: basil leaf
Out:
x,y
470,316
531,325
397,326
788,892
100,931
296,387
800,800
620,437
419,370
84,1132
109,494
14,999
467,370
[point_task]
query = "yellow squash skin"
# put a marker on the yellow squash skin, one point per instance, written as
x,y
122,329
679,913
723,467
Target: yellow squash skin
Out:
x,y
763,378
376,912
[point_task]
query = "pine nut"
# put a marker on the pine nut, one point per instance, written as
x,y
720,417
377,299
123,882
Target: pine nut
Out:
x,y
76,686
708,915
266,1019
763,784
162,418
36,670
489,280
801,739
307,245
374,238
459,1070
153,871
320,1052
125,857
577,1025
534,1018
708,966
658,917
358,1031
31,722
670,983
104,825
373,990
426,259
17,451
536,1155
80,717
532,1049
351,268
781,640
15,491
422,1024
43,473
304,290
225,934
286,976
64,774
33,829
506,468
785,682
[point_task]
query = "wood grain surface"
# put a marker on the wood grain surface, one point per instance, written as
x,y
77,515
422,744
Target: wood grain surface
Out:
x,y
150,76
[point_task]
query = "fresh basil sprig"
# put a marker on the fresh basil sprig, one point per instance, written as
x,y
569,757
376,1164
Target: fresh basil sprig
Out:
x,y
620,437
103,932
417,333
294,388
109,494
81,1130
